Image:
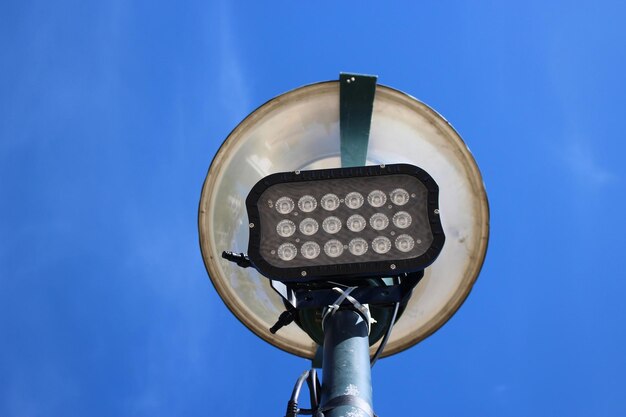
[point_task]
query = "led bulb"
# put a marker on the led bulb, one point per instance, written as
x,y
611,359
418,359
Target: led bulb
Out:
x,y
284,205
310,250
286,228
287,251
308,226
379,221
358,246
331,224
399,196
402,219
333,248
381,244
356,223
307,203
405,243
330,202
354,200
376,198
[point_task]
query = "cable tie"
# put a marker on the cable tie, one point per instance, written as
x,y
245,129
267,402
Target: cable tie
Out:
x,y
345,295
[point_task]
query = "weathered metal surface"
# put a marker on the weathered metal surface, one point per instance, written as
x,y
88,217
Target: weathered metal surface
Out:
x,y
356,100
347,385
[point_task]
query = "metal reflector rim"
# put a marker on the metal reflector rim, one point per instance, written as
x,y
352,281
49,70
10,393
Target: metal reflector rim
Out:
x,y
211,255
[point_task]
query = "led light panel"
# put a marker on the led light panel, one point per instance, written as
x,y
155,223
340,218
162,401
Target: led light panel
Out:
x,y
384,221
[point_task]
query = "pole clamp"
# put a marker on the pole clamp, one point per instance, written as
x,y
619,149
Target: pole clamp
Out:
x,y
344,295
349,400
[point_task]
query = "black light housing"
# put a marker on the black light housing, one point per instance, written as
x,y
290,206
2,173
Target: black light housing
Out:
x,y
344,223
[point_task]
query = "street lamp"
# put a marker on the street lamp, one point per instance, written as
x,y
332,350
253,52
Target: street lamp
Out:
x,y
331,194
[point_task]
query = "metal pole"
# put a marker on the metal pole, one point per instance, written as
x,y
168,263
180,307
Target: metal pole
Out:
x,y
347,380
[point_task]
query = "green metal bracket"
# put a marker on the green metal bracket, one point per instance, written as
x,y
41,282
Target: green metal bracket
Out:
x,y
356,100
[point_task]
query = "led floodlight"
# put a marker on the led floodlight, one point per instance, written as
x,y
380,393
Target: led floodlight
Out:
x,y
344,223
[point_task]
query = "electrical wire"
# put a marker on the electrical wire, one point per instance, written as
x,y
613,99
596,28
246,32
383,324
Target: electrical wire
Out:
x,y
313,384
314,388
386,337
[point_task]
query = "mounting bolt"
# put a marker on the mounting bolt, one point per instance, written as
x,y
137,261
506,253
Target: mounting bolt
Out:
x,y
392,266
251,225
303,273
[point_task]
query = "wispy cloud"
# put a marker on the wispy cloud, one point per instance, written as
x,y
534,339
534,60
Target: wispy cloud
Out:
x,y
233,89
500,389
578,64
581,160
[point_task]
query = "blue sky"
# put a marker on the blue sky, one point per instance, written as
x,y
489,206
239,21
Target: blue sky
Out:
x,y
110,113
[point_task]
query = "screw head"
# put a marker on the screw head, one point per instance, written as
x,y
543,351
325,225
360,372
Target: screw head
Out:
x,y
251,225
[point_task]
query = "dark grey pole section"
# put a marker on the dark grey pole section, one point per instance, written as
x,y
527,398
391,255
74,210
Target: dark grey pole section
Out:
x,y
347,380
